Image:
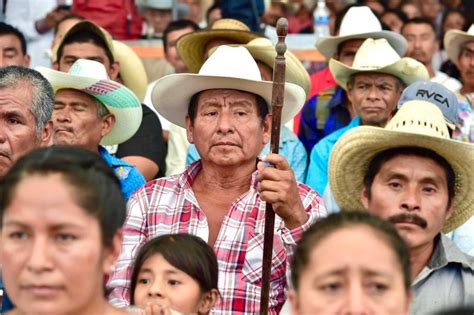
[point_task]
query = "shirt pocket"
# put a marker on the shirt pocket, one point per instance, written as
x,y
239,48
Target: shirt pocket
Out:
x,y
252,268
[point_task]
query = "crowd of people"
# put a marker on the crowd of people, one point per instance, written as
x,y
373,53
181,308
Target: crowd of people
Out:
x,y
123,195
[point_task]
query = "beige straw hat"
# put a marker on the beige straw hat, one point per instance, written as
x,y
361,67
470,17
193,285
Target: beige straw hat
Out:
x,y
410,127
376,55
191,46
227,68
454,40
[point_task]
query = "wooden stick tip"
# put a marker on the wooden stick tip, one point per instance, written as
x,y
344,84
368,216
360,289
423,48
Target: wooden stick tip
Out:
x,y
282,26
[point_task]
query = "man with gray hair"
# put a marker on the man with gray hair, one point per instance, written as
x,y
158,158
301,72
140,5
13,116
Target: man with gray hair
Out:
x,y
26,106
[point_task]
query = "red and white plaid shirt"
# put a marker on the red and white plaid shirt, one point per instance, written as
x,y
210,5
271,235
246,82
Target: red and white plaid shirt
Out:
x,y
168,205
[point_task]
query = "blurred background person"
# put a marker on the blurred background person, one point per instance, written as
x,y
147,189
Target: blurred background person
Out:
x,y
12,47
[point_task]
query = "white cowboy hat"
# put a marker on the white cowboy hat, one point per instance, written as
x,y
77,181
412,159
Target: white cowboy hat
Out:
x,y
360,23
454,40
376,55
227,68
413,126
90,77
262,49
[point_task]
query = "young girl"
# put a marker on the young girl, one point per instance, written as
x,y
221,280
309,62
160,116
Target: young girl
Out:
x,y
175,273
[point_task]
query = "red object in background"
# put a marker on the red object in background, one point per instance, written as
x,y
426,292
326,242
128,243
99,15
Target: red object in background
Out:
x,y
119,17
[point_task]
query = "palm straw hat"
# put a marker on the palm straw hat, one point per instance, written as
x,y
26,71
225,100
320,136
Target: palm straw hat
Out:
x,y
227,68
191,47
454,41
410,127
360,23
132,71
91,78
376,55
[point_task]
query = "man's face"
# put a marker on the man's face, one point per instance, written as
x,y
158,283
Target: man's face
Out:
x,y
157,18
76,122
347,51
422,43
374,97
466,64
18,125
412,192
90,51
430,8
227,130
11,53
171,52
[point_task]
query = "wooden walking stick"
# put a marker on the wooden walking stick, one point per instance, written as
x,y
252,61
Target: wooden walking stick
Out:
x,y
278,95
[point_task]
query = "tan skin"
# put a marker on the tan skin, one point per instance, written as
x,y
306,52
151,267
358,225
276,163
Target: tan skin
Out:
x,y
11,53
229,135
466,67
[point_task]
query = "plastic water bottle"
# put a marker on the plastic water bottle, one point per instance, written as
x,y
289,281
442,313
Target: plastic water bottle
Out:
x,y
321,20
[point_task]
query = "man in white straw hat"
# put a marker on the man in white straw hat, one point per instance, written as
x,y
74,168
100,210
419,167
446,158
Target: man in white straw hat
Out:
x,y
85,40
412,174
222,197
460,49
91,110
374,83
328,108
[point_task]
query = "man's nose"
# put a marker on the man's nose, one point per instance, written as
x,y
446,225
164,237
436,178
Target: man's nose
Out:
x,y
62,115
410,199
2,60
225,122
373,93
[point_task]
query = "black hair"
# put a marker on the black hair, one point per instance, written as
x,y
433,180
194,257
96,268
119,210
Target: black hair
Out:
x,y
175,26
338,221
262,107
216,5
185,252
96,187
401,15
376,164
7,29
447,13
418,20
85,36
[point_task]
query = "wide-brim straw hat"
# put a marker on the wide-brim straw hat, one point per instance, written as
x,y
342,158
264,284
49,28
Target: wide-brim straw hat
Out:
x,y
454,41
413,126
376,55
360,23
91,77
263,50
191,47
132,71
227,68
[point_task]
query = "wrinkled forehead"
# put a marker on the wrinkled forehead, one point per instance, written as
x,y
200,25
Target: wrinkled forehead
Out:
x,y
221,95
374,77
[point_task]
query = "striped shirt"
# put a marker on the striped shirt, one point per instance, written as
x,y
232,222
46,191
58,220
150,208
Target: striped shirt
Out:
x,y
168,205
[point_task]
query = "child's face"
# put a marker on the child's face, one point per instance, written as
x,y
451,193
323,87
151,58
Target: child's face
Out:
x,y
162,284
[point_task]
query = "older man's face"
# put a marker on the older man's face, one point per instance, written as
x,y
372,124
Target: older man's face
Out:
x,y
412,192
227,129
374,97
466,64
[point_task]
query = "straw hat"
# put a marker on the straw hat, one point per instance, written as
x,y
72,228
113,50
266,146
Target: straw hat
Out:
x,y
412,127
191,46
454,40
132,71
376,55
90,77
227,68
263,50
360,23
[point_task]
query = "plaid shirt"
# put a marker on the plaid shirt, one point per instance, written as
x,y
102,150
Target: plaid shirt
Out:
x,y
168,205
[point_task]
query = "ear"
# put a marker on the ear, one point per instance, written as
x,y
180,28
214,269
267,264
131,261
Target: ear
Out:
x,y
209,299
189,130
364,197
108,123
26,61
46,134
450,210
267,128
114,70
112,252
293,298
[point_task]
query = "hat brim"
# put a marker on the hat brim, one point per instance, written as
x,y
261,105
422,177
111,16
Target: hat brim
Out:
x,y
342,72
121,102
353,152
328,45
191,46
453,40
174,106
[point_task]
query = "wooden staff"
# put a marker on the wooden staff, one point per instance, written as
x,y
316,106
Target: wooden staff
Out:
x,y
278,96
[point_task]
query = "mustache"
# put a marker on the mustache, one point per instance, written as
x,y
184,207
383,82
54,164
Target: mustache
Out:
x,y
63,128
408,217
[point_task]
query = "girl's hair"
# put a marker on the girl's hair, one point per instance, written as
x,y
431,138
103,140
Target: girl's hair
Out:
x,y
185,252
346,219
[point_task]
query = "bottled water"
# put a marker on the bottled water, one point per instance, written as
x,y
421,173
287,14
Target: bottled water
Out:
x,y
321,20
